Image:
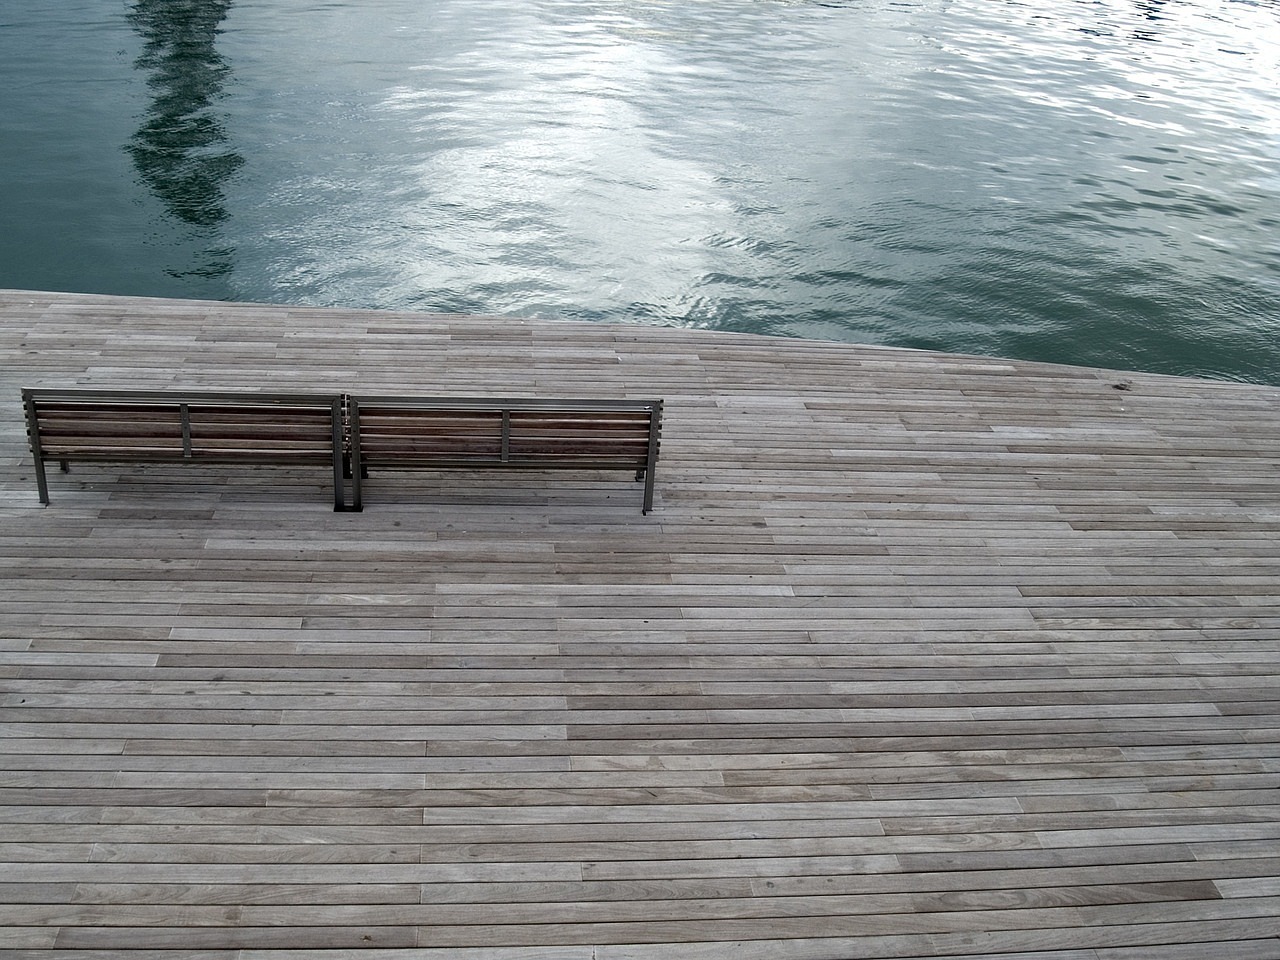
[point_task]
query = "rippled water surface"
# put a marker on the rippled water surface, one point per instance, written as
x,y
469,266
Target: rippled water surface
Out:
x,y
1088,182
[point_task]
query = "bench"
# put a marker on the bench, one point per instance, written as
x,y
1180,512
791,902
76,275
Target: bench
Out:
x,y
162,427
451,432
351,435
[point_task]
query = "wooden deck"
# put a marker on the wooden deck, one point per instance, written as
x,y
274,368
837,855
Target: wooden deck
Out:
x,y
917,656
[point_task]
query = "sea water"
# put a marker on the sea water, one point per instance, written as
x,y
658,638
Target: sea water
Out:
x,y
1082,181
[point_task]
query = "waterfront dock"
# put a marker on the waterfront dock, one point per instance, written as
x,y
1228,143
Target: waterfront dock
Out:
x,y
917,655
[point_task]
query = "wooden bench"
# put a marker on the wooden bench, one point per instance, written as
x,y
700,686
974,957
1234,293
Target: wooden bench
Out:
x,y
450,432
346,433
162,427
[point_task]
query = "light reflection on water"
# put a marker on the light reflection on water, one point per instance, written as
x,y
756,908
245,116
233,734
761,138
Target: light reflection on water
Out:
x,y
1087,182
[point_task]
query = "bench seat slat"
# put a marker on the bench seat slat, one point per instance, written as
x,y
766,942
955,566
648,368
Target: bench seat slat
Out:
x,y
120,431
411,429
289,434
89,409
118,452
108,455
198,430
482,458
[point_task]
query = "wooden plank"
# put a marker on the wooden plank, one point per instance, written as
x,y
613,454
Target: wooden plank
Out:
x,y
922,655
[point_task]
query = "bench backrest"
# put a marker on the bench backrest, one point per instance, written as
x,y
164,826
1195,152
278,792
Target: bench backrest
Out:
x,y
421,431
132,425
516,433
119,425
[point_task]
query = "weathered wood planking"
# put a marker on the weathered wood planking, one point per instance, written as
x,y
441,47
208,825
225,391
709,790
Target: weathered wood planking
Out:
x,y
918,655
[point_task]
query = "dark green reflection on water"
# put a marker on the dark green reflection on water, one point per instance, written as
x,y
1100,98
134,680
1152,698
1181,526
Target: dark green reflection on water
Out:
x,y
181,151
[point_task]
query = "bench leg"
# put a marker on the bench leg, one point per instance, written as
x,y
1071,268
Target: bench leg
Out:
x,y
355,466
648,492
42,483
339,486
357,495
358,473
340,462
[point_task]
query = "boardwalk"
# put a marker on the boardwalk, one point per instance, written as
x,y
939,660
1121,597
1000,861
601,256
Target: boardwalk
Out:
x,y
917,656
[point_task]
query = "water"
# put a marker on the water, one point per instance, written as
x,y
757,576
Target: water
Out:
x,y
1082,181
